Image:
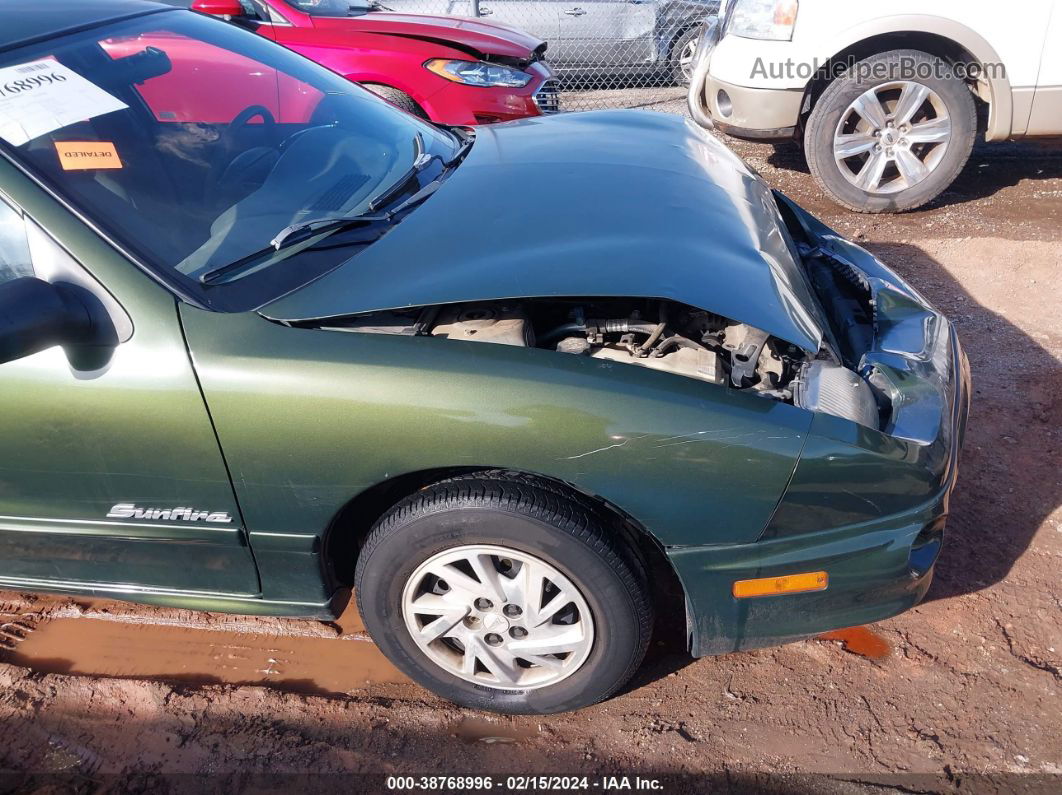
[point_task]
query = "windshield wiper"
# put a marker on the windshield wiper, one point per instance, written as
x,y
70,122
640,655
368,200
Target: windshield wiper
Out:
x,y
421,160
296,233
467,138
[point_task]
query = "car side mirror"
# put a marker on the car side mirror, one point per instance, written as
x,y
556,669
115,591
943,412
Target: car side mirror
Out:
x,y
35,315
219,8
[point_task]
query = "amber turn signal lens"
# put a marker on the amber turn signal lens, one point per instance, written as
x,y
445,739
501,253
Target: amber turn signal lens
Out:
x,y
791,583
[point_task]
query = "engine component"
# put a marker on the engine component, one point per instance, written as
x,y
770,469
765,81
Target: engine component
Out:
x,y
745,345
574,345
831,389
660,335
402,324
500,324
698,362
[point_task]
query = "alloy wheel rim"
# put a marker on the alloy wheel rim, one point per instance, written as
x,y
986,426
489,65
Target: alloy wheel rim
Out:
x,y
498,617
686,56
892,137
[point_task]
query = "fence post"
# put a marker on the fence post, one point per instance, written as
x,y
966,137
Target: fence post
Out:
x,y
475,8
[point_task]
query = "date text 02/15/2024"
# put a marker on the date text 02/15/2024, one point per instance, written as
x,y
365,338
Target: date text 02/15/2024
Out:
x,y
538,783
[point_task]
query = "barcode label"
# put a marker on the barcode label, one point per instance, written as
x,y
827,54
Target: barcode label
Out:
x,y
39,97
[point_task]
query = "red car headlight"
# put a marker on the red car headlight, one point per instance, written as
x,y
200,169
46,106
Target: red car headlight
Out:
x,y
478,73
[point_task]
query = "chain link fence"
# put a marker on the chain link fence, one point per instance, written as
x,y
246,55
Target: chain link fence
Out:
x,y
606,53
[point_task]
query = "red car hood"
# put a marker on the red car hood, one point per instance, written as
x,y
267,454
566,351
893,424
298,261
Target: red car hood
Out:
x,y
483,38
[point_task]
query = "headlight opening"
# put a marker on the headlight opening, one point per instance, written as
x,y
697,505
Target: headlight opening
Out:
x,y
478,73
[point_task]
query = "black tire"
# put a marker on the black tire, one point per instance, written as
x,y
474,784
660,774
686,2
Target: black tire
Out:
x,y
526,515
678,73
399,99
879,70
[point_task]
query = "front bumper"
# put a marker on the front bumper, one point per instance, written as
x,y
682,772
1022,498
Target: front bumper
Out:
x,y
761,114
458,104
877,568
757,114
867,507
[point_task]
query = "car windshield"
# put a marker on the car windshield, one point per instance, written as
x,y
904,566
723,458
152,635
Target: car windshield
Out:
x,y
192,143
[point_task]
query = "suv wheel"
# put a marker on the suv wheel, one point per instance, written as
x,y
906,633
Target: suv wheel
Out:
x,y
501,592
683,52
892,133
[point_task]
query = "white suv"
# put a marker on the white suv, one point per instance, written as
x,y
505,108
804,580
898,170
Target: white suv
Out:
x,y
885,102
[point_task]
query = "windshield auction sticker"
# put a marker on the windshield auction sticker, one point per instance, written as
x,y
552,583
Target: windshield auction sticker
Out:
x,y
40,97
84,155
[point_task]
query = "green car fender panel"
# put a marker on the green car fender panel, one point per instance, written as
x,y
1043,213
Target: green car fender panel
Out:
x,y
309,419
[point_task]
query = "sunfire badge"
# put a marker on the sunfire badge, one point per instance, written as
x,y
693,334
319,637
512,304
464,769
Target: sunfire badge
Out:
x,y
127,510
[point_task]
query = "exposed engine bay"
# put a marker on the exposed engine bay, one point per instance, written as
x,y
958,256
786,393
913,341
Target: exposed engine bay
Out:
x,y
662,335
659,334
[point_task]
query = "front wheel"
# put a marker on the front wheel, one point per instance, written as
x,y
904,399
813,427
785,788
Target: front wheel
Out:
x,y
399,99
892,133
501,592
683,53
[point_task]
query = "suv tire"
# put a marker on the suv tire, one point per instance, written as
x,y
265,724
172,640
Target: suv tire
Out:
x,y
906,135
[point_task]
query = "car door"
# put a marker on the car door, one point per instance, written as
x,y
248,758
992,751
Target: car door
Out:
x,y
537,17
112,478
620,34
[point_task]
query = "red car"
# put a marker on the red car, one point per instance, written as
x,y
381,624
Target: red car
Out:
x,y
449,70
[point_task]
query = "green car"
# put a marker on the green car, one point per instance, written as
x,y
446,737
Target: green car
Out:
x,y
265,337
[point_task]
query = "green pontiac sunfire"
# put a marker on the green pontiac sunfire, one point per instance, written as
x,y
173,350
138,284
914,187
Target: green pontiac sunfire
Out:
x,y
265,337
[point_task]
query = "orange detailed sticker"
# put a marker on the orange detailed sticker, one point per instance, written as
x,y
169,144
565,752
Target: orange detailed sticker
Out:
x,y
84,155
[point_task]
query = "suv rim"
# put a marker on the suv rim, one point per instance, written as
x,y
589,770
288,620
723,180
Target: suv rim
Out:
x,y
686,56
497,616
892,137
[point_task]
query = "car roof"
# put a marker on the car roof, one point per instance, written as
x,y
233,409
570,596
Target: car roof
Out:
x,y
27,21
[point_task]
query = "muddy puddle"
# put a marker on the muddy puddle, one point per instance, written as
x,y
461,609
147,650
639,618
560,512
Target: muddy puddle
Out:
x,y
106,639
109,647
492,731
863,641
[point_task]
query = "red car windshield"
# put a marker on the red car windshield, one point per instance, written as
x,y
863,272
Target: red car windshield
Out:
x,y
192,143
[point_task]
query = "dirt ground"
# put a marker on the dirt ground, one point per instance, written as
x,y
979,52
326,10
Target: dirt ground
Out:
x,y
962,693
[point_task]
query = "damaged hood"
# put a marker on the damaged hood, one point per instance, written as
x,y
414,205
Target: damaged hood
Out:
x,y
606,204
484,38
